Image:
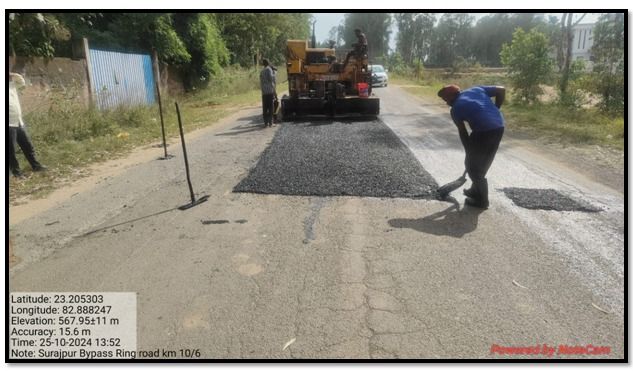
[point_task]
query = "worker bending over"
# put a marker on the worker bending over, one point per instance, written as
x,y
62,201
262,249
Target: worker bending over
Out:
x,y
486,123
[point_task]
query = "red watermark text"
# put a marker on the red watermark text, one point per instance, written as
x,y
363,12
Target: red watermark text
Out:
x,y
550,350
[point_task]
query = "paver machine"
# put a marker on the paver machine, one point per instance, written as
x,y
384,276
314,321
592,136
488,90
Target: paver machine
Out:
x,y
320,84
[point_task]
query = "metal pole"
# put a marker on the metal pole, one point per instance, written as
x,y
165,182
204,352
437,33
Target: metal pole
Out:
x,y
156,69
184,152
91,94
162,123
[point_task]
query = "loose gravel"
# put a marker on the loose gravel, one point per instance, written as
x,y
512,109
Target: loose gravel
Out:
x,y
337,158
547,199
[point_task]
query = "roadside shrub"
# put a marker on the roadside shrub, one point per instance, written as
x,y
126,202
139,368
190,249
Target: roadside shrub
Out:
x,y
528,63
397,65
461,64
608,51
576,94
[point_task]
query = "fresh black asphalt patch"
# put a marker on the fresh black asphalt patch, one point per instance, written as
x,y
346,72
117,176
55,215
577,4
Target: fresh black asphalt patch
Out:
x,y
547,199
334,158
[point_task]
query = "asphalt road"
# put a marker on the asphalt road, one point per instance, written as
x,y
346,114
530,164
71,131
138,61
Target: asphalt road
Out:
x,y
243,274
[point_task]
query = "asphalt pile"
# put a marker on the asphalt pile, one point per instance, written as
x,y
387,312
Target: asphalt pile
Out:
x,y
338,159
547,199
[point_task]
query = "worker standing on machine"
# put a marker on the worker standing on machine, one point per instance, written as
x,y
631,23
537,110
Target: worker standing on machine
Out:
x,y
269,92
486,122
360,47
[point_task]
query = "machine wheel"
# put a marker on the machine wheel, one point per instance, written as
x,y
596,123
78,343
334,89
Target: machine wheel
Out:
x,y
284,110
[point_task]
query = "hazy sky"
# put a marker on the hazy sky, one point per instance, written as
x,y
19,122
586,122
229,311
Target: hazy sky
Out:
x,y
325,21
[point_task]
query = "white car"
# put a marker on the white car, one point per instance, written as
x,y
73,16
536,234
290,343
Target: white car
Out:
x,y
379,75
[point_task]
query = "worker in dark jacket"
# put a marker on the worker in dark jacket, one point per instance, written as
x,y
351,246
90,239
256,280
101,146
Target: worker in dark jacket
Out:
x,y
486,123
360,47
269,92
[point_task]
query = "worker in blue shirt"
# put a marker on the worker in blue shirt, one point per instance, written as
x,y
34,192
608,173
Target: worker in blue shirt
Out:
x,y
486,123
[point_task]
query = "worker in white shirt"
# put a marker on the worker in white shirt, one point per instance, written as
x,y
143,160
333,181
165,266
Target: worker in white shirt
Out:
x,y
17,131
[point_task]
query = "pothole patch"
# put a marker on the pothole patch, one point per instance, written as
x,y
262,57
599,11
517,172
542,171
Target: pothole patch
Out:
x,y
547,199
338,158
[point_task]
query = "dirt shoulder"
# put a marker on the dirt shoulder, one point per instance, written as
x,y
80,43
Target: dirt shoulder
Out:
x,y
100,172
601,164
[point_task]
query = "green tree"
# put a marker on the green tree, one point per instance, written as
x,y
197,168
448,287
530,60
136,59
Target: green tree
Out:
x,y
608,54
251,35
565,52
396,64
492,31
286,26
168,44
34,34
451,38
551,28
199,44
577,85
489,34
127,31
528,62
414,35
525,21
209,54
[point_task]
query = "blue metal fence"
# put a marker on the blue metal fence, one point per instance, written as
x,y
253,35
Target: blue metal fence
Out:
x,y
121,79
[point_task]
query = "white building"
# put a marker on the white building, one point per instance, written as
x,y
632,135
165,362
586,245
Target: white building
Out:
x,y
583,41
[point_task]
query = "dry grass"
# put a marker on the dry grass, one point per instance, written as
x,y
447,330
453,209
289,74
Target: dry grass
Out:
x,y
69,137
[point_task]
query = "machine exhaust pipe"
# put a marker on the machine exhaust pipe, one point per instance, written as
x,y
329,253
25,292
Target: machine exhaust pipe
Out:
x,y
313,36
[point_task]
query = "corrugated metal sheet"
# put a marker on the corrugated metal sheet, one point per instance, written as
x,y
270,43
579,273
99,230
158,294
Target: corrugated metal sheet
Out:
x,y
121,79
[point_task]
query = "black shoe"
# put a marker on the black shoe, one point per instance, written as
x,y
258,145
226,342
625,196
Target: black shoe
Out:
x,y
481,201
470,192
17,174
39,168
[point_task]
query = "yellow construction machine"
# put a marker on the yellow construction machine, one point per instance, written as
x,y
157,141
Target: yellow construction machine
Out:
x,y
320,84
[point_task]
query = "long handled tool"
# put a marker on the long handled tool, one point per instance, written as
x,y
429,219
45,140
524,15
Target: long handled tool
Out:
x,y
162,124
276,109
447,188
202,199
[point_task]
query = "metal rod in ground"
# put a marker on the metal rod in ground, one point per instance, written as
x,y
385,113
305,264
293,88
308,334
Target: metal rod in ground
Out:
x,y
184,152
162,122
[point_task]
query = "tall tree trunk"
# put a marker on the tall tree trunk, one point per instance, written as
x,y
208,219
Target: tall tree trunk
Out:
x,y
412,42
560,56
568,36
